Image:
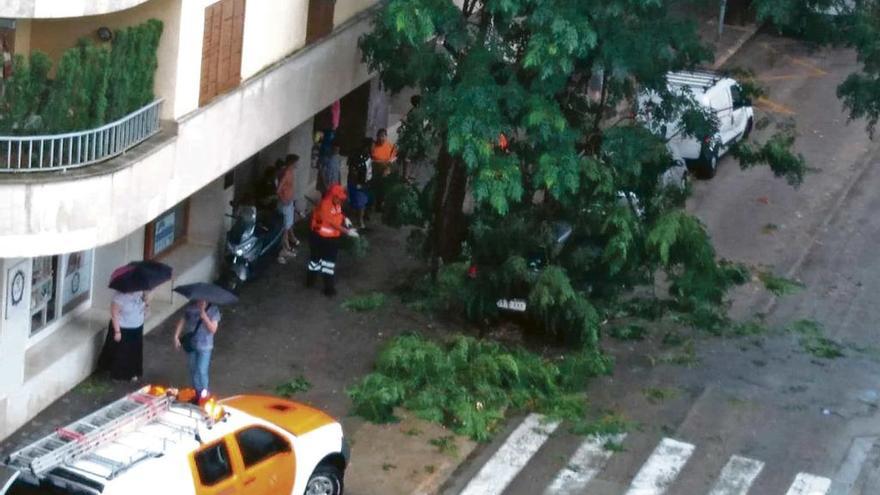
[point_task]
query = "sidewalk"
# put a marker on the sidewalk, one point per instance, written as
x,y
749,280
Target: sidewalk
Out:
x,y
280,330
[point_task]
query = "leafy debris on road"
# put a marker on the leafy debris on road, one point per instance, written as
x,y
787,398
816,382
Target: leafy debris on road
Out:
x,y
813,340
293,387
779,286
631,331
468,384
445,445
367,302
656,395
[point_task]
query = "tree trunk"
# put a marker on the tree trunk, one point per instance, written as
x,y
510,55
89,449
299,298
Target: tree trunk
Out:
x,y
448,226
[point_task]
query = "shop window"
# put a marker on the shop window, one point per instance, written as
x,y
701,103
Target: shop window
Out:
x,y
59,285
221,48
77,284
44,282
320,21
167,231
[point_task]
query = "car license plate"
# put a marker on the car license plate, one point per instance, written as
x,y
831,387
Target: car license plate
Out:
x,y
511,304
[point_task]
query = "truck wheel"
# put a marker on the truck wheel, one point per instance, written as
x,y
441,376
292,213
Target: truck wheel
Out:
x,y
325,480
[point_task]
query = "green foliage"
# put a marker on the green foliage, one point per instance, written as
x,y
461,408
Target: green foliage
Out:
x,y
367,302
296,386
359,247
93,84
24,95
445,445
812,339
528,70
630,331
401,205
132,66
780,286
468,384
78,99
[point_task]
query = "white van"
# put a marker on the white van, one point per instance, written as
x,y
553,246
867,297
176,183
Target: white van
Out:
x,y
724,96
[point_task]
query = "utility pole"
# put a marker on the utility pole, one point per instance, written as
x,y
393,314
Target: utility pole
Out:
x,y
721,18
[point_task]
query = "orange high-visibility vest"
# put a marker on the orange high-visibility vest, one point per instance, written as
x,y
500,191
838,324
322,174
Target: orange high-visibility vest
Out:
x,y
327,218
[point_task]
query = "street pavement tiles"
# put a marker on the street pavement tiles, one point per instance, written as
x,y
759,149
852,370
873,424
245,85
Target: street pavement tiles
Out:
x,y
654,477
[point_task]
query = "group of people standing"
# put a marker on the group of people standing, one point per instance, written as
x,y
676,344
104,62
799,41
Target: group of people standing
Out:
x,y
123,352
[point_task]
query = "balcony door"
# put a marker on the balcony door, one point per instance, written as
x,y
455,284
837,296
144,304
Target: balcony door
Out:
x,y
221,48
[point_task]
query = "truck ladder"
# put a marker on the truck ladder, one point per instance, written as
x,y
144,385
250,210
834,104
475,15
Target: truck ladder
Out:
x,y
81,438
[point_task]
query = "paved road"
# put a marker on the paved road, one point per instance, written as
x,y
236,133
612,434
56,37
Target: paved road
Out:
x,y
756,415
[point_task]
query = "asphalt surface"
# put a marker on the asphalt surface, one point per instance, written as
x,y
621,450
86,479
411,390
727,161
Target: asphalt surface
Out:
x,y
785,413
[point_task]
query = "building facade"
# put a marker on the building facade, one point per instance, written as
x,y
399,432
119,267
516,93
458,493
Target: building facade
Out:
x,y
239,83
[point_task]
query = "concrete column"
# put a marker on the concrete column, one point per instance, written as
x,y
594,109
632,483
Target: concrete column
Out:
x,y
378,108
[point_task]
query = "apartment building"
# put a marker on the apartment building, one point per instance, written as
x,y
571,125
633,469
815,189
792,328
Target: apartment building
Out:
x,y
239,83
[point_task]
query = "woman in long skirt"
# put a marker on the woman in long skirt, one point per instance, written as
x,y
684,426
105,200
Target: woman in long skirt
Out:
x,y
123,351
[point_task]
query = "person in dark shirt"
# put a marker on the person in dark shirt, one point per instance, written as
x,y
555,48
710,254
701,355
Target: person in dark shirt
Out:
x,y
360,172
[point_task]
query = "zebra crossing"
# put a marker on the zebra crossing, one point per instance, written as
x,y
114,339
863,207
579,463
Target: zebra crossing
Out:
x,y
656,475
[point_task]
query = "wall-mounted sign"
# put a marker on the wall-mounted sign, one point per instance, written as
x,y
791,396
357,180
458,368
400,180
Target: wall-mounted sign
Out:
x,y
16,285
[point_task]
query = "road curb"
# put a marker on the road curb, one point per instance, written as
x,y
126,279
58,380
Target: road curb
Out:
x,y
730,52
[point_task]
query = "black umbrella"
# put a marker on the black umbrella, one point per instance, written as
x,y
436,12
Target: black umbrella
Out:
x,y
140,275
203,291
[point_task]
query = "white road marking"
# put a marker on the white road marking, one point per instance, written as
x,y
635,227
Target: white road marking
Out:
x,y
584,465
513,455
808,484
660,470
737,476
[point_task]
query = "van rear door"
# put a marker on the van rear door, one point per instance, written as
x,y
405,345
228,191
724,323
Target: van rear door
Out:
x,y
7,478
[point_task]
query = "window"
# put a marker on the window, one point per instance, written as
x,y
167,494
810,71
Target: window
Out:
x,y
257,444
167,231
77,283
213,464
736,95
221,48
44,282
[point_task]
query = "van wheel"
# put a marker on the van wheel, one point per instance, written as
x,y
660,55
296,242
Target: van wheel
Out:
x,y
748,130
325,480
710,164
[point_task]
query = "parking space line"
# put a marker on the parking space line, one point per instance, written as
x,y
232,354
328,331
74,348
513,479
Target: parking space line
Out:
x,y
661,468
809,484
737,476
584,465
511,457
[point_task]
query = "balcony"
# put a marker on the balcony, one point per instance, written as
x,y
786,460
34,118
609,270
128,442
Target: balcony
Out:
x,y
78,149
46,212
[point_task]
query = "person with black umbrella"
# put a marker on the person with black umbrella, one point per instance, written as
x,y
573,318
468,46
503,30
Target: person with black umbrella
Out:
x,y
123,352
197,327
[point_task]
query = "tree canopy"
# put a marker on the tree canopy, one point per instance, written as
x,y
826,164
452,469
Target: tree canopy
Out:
x,y
527,109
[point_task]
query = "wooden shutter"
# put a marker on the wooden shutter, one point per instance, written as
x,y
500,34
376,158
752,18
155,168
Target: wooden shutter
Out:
x,y
221,48
320,21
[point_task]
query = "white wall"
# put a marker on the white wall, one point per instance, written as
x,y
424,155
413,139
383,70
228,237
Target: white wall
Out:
x,y
62,8
62,213
272,30
346,9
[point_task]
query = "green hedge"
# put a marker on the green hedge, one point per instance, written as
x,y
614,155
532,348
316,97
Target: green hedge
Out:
x,y
93,84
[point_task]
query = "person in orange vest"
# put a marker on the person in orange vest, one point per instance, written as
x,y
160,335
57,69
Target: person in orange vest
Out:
x,y
328,224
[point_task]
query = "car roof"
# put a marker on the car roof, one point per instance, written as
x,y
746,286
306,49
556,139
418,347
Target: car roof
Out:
x,y
298,419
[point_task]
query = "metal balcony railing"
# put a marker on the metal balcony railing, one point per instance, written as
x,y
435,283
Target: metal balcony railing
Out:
x,y
81,148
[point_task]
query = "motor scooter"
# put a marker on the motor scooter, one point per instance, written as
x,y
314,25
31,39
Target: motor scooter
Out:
x,y
253,241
